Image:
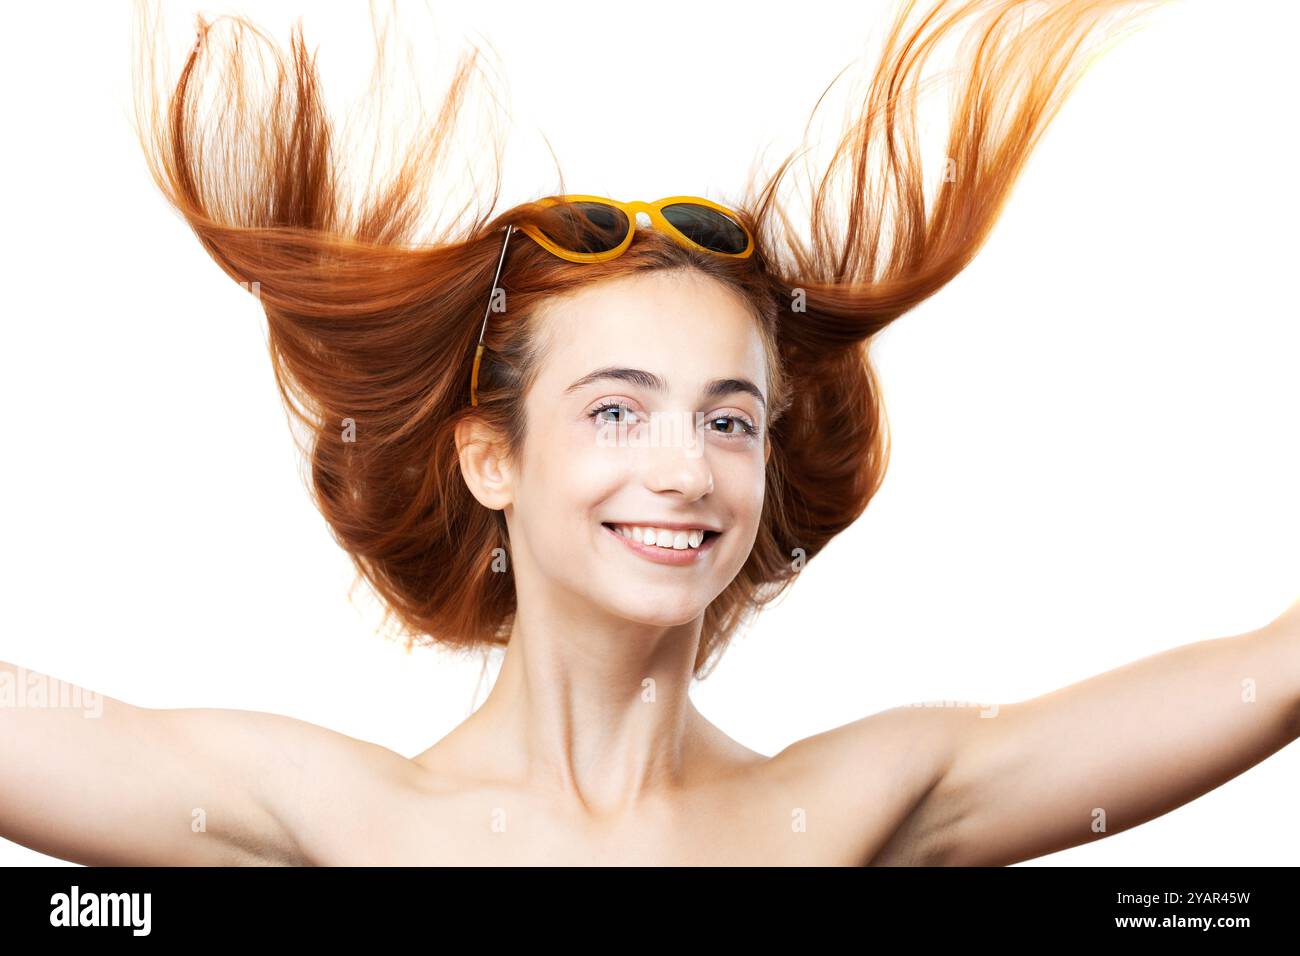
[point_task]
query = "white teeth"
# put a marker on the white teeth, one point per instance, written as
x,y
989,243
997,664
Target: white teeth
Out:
x,y
662,537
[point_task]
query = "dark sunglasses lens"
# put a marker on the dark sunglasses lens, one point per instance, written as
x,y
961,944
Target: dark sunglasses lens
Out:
x,y
706,227
585,226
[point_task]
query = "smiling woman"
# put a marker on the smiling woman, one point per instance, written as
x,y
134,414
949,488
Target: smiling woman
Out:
x,y
368,328
631,451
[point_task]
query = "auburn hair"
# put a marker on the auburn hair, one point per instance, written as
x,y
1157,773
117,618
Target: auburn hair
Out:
x,y
373,325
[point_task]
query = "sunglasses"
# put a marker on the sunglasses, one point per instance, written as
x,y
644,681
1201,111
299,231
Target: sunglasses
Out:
x,y
596,229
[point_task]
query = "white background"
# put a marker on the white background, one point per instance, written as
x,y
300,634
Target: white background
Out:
x,y
1095,426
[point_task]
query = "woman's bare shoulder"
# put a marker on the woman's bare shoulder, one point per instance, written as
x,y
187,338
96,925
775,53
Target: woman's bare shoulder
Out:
x,y
873,777
303,775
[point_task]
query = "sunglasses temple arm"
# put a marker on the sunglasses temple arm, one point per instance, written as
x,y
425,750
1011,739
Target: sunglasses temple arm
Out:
x,y
495,278
478,352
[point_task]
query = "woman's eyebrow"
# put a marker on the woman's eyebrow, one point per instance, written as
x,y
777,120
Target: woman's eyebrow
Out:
x,y
717,388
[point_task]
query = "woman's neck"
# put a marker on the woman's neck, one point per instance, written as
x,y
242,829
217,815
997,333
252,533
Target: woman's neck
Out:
x,y
596,715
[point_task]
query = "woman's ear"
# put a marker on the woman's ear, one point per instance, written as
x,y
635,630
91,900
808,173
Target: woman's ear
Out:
x,y
484,464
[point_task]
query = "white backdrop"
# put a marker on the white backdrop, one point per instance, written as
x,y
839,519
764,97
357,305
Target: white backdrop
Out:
x,y
1095,451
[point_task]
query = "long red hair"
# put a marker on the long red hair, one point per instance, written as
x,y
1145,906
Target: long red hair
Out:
x,y
373,326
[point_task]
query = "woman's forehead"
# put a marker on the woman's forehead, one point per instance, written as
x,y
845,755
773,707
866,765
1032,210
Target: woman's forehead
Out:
x,y
648,307
681,331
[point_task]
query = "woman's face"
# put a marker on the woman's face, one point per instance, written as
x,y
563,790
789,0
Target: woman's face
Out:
x,y
677,437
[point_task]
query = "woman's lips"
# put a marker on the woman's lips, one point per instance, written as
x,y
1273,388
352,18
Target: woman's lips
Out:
x,y
672,556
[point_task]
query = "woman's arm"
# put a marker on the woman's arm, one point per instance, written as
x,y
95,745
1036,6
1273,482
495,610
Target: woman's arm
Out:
x,y
1107,753
93,780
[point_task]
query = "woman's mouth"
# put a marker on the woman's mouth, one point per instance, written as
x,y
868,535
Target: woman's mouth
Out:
x,y
669,553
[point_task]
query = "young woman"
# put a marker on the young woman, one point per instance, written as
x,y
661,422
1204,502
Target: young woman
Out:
x,y
602,434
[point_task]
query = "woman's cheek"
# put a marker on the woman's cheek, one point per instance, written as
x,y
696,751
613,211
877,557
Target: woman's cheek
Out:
x,y
742,479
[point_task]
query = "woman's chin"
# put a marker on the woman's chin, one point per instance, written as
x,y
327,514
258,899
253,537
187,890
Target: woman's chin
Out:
x,y
657,613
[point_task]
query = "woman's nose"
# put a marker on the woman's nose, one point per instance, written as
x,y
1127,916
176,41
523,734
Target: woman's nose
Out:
x,y
689,479
679,466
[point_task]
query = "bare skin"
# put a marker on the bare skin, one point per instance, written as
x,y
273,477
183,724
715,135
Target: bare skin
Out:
x,y
907,786
589,750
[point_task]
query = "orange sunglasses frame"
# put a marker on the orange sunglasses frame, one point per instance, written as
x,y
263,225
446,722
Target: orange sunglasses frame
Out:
x,y
630,210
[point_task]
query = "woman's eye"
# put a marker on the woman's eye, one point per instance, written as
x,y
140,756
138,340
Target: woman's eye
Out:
x,y
742,427
621,419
